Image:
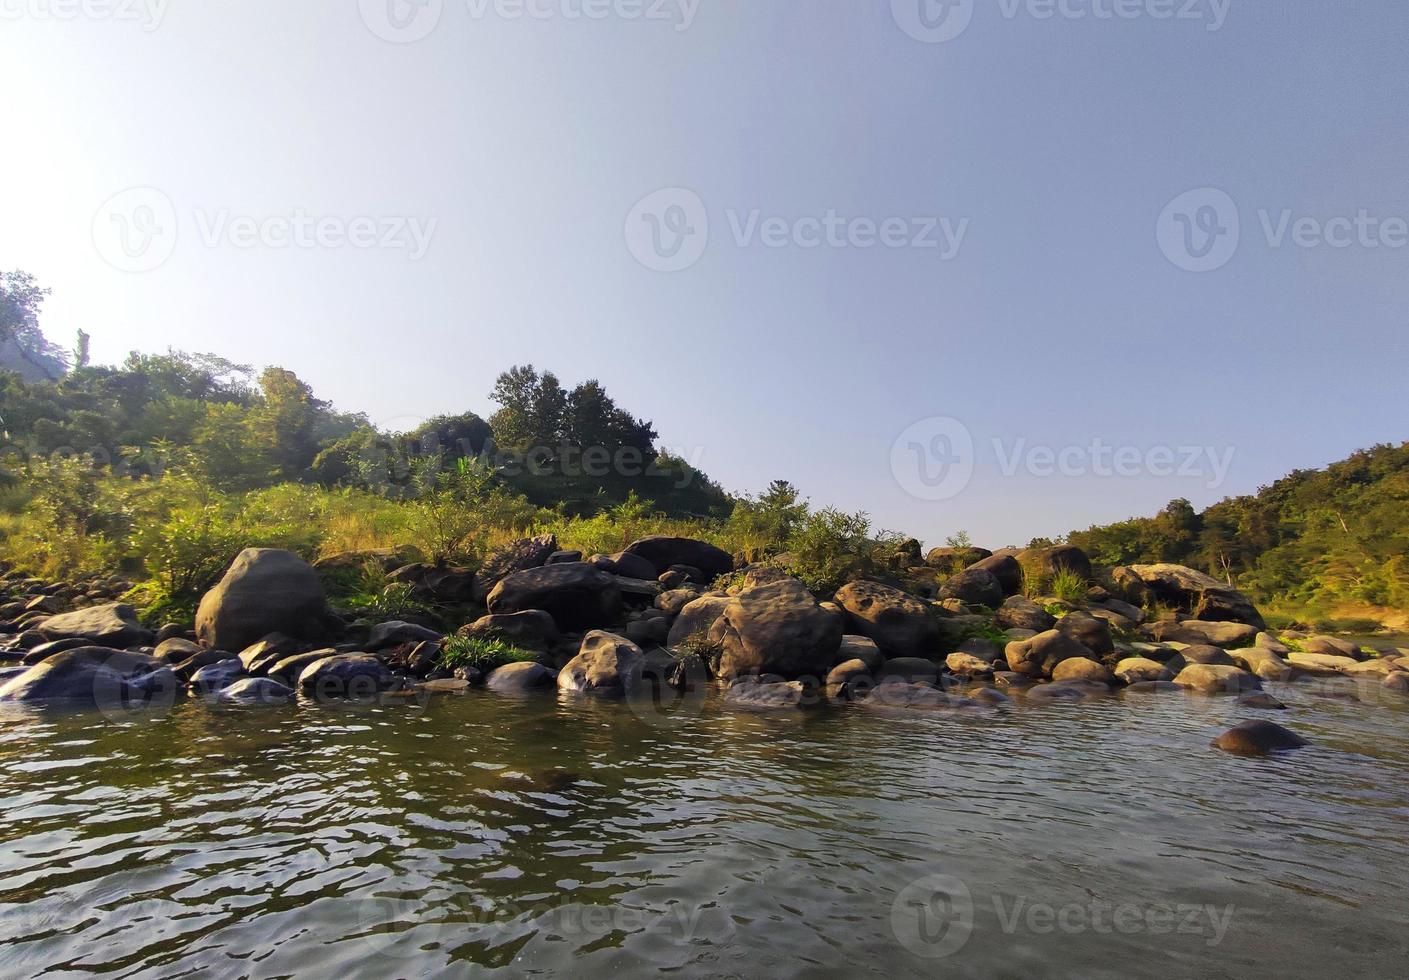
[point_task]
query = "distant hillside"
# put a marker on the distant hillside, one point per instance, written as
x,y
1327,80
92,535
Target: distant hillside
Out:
x,y
1332,541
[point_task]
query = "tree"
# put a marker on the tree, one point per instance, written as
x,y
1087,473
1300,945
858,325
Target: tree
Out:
x,y
287,421
20,300
81,352
533,412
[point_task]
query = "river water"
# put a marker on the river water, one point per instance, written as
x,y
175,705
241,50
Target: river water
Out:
x,y
477,834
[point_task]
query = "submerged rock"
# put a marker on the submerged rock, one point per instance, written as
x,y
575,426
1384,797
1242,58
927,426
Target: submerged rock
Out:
x,y
94,677
513,678
350,676
114,626
257,690
605,664
1258,738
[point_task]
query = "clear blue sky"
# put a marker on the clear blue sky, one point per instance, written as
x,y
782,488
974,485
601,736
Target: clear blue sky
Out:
x,y
1058,140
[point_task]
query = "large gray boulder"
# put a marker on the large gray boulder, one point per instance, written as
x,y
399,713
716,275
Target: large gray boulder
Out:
x,y
1006,569
1190,591
1226,635
576,595
90,677
777,628
1217,679
691,629
900,624
266,590
514,678
516,556
113,625
663,551
606,664
1092,633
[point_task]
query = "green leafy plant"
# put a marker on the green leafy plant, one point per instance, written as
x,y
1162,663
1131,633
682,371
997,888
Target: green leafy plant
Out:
x,y
481,654
1069,586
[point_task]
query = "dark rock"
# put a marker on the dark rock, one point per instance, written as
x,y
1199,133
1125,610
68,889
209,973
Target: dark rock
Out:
x,y
257,690
577,596
512,678
1257,738
177,650
955,559
532,629
908,670
1040,655
672,601
648,632
1261,699
396,633
516,556
46,650
350,676
691,629
900,624
663,552
114,625
1092,633
94,677
1190,591
266,590
260,656
1006,569
1020,612
288,670
751,693
974,587
564,558
216,676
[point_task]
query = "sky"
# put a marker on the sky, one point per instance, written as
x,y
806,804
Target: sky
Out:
x,y
1012,267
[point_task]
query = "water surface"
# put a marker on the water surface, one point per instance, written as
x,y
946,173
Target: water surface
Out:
x,y
479,834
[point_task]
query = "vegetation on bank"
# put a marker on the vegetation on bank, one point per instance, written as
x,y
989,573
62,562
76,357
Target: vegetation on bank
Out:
x,y
163,468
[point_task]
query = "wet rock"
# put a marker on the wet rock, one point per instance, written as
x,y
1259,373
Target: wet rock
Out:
x,y
1263,700
1154,687
177,650
46,650
605,664
751,693
257,690
908,670
258,657
1263,662
1397,682
288,670
265,590
514,678
1258,738
93,677
648,632
1226,635
532,629
384,636
351,676
217,676
114,625
861,648
692,628
577,596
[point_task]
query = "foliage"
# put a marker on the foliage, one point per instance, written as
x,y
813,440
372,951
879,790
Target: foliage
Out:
x,y
832,547
1068,586
481,654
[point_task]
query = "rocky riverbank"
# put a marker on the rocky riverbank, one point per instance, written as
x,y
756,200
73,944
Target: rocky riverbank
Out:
x,y
963,630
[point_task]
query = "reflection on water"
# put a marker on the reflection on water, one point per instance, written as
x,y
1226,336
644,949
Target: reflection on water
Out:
x,y
1102,838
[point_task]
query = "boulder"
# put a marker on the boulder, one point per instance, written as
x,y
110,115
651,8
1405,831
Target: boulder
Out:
x,y
651,632
217,676
517,556
1006,569
691,630
1081,669
287,670
177,650
952,559
1092,633
1331,646
672,601
187,668
1227,635
974,587
347,675
663,551
1020,612
1257,738
1217,679
860,648
93,677
1190,591
1397,682
900,624
513,678
257,690
44,651
114,626
605,664
576,595
564,558
843,674
1321,665
626,565
532,629
258,657
1121,608
1039,656
1047,562
777,629
981,649
766,694
1133,670
266,590
1263,662
968,665
384,636
1203,654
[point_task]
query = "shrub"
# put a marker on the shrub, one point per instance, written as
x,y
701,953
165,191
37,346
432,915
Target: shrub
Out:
x,y
481,654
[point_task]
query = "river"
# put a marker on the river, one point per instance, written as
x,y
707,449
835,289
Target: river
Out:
x,y
477,834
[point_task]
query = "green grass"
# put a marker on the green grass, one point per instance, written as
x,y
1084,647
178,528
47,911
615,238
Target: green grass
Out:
x,y
1069,587
481,654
